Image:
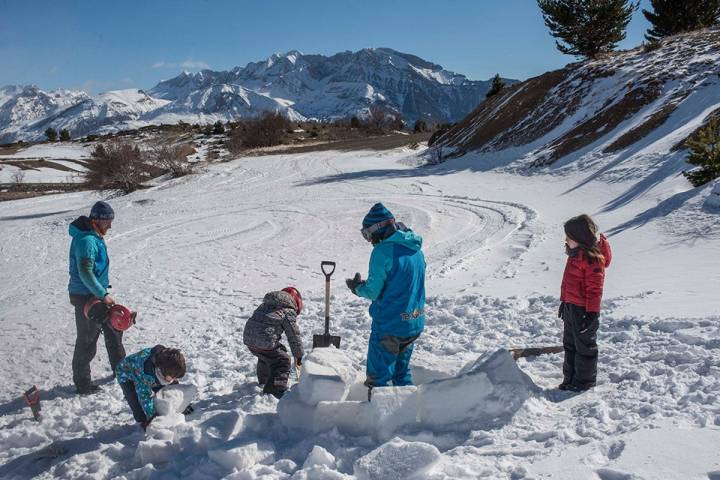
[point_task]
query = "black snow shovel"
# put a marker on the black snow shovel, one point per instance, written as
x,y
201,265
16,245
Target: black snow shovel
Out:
x,y
325,340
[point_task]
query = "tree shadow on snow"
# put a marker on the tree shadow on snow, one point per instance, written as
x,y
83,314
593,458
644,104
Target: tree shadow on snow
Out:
x,y
33,216
58,391
662,209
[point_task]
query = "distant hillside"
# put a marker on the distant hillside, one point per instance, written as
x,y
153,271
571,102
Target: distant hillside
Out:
x,y
299,86
641,103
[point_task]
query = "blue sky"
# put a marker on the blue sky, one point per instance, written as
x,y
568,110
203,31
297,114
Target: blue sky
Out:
x,y
103,45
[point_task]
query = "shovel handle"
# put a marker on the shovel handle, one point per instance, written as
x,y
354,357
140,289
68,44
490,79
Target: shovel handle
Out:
x,y
328,274
324,264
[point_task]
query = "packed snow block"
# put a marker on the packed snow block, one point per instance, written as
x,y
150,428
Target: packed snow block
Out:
x,y
483,395
390,407
242,457
397,460
220,428
174,398
294,413
327,374
155,451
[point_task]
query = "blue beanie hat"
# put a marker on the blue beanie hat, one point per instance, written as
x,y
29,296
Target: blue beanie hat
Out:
x,y
102,211
377,214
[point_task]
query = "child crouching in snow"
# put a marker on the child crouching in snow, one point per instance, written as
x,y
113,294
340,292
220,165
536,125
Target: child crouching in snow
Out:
x,y
580,295
277,314
142,374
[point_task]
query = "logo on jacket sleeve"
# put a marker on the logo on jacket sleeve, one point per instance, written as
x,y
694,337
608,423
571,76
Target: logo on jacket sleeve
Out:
x,y
412,315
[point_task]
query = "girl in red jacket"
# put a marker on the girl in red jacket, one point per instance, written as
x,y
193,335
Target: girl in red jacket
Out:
x,y
580,294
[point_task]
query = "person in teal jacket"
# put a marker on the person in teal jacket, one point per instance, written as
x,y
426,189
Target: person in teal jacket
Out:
x,y
142,374
89,268
396,286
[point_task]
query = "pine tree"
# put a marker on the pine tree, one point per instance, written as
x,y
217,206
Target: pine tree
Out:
x,y
670,17
51,134
64,135
587,27
705,153
218,128
497,85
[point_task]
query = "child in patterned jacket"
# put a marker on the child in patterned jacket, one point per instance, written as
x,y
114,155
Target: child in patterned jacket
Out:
x,y
142,374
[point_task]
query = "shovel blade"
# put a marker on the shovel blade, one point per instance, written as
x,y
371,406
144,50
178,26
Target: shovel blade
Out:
x,y
324,341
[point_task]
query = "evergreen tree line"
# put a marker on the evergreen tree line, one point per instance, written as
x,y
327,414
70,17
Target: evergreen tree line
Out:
x,y
587,28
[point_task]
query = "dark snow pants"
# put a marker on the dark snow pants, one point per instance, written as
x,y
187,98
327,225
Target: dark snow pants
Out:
x,y
273,368
580,344
86,343
131,398
389,360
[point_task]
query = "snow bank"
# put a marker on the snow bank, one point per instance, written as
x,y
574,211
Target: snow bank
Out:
x,y
485,394
397,459
713,200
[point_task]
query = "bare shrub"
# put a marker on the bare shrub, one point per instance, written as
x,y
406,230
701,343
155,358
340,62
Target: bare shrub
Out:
x,y
19,176
118,166
381,118
172,159
266,130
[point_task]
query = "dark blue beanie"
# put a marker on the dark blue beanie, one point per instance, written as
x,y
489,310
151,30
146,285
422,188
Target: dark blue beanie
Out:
x,y
102,211
377,214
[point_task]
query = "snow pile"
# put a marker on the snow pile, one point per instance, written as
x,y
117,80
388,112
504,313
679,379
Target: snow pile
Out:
x,y
485,394
713,200
397,460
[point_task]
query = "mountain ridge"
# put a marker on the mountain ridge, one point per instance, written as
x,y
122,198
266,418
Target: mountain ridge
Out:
x,y
299,86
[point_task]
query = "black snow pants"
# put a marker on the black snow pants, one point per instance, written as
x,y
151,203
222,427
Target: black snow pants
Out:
x,y
131,398
86,343
273,368
580,344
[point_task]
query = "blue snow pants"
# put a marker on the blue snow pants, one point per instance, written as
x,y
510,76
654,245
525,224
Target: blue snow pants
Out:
x,y
388,360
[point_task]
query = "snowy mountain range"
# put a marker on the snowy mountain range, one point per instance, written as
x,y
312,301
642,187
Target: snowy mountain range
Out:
x,y
297,85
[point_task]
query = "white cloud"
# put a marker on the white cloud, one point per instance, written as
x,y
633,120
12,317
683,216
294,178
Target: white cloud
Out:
x,y
164,64
188,64
194,64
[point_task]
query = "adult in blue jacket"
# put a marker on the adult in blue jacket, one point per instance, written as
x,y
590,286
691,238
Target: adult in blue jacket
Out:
x,y
89,273
396,286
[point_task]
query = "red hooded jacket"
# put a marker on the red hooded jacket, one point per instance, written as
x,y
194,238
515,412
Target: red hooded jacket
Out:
x,y
582,282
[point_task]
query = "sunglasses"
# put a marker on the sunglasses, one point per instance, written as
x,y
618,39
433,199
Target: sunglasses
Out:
x,y
367,233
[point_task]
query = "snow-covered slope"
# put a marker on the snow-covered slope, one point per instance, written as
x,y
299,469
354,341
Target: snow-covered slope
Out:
x,y
195,255
299,86
618,108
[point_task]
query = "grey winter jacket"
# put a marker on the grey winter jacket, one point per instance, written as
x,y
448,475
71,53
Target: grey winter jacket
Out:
x,y
276,315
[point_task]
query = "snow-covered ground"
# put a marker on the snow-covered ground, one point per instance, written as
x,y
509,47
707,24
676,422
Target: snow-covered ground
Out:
x,y
72,151
195,255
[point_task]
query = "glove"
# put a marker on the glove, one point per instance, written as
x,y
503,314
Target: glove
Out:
x,y
298,361
354,282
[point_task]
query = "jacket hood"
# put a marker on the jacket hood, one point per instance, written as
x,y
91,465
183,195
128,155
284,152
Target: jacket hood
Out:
x,y
278,300
406,238
605,249
80,227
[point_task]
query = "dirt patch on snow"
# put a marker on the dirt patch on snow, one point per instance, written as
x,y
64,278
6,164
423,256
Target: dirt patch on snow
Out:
x,y
602,123
651,123
496,117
